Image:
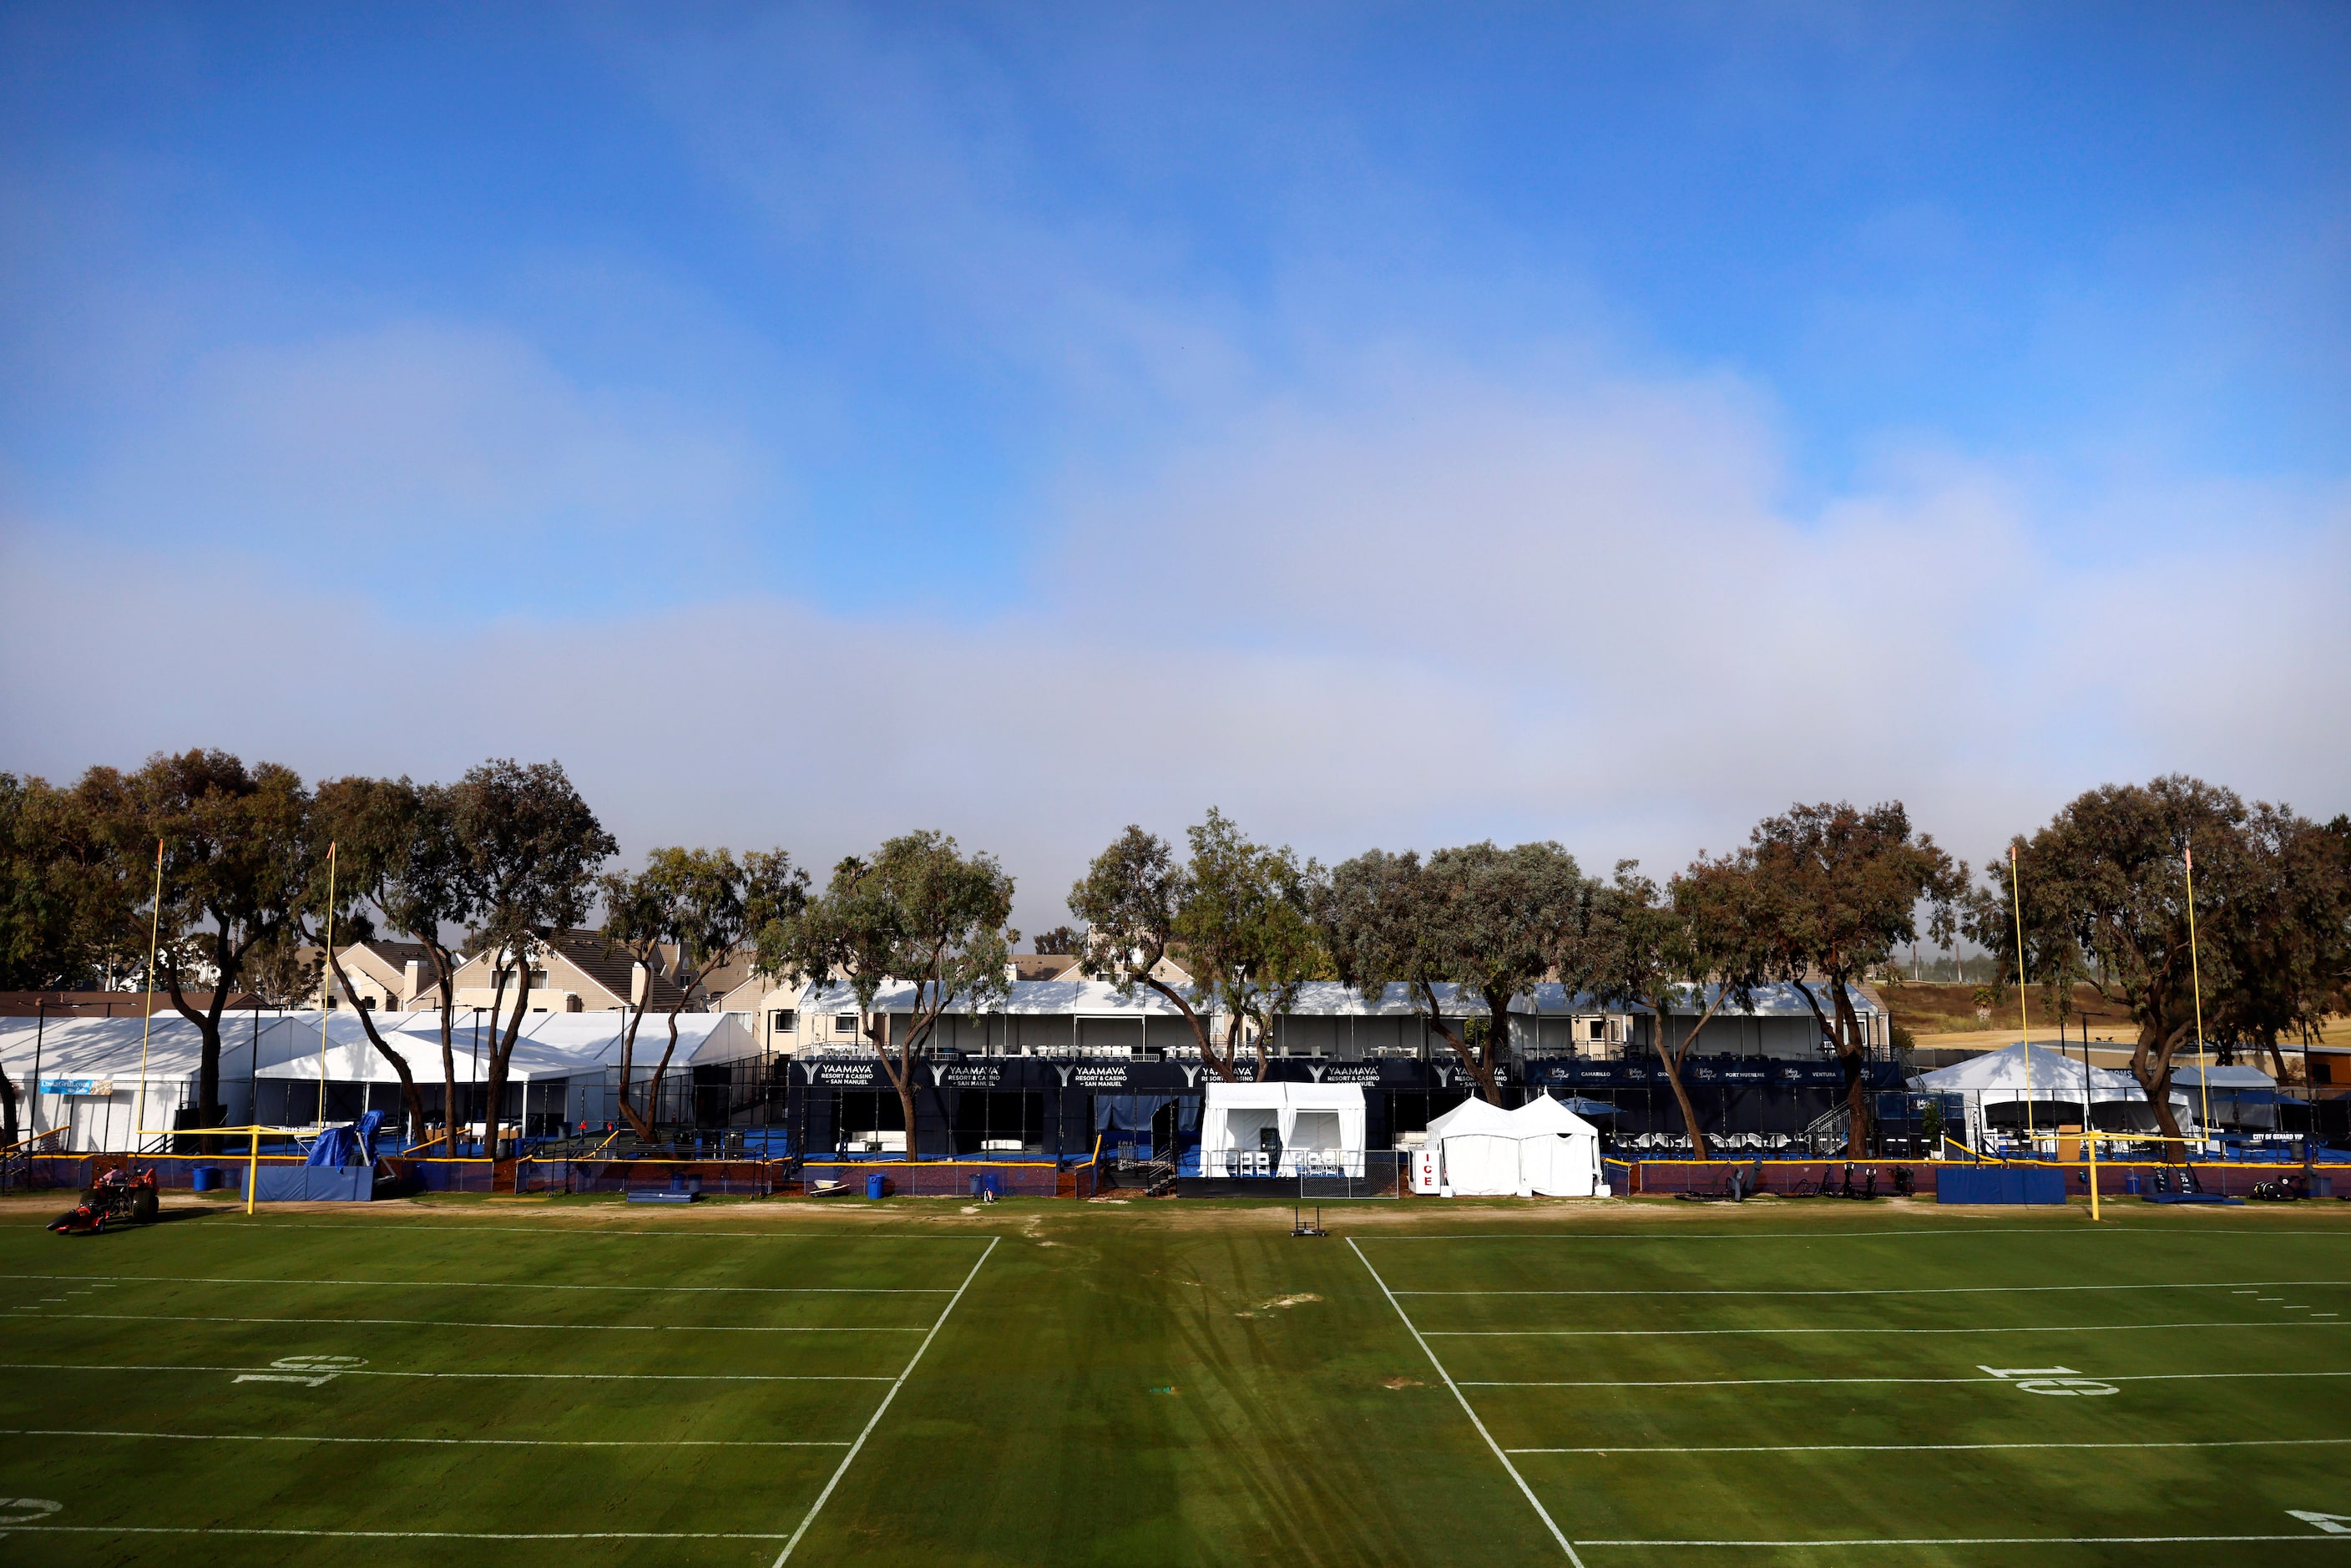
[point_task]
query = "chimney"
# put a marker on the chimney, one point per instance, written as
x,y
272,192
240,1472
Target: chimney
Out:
x,y
411,981
637,978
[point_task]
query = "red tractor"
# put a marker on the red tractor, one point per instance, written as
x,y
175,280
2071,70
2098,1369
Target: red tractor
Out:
x,y
115,1198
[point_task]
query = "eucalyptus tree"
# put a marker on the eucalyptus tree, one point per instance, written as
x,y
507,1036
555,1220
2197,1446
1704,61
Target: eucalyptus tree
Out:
x,y
1828,892
2102,894
385,838
703,904
528,849
62,917
1487,920
918,912
236,848
1683,948
1238,912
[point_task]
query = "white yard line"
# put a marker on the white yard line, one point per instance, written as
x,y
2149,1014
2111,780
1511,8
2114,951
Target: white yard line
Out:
x,y
456,1442
1917,1290
526,1376
1945,1448
519,1285
1686,1334
1760,1382
392,1534
851,1457
1526,1491
1948,1541
453,1324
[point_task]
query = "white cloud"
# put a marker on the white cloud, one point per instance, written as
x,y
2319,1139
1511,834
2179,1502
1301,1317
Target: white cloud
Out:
x,y
1447,608
424,457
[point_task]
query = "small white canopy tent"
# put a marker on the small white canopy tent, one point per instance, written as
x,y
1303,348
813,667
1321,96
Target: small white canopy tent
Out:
x,y
1477,1150
1319,1126
1559,1155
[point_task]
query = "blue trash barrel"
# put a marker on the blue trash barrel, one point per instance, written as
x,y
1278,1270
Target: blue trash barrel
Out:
x,y
992,1183
207,1179
876,1185
2130,1183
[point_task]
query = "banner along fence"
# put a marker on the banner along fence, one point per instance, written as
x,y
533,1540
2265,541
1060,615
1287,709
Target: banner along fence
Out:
x,y
952,1178
1805,1178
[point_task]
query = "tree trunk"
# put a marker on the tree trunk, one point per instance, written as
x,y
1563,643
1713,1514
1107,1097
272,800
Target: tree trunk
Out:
x,y
1200,1032
1673,1061
208,1034
652,1086
447,973
1661,1009
8,1111
1481,1074
494,1086
408,1089
2151,1065
1853,1055
642,1125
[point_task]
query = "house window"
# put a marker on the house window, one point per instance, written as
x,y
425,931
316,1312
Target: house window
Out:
x,y
539,979
844,1023
784,1021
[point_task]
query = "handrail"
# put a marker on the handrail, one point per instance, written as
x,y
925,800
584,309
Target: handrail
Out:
x,y
26,1144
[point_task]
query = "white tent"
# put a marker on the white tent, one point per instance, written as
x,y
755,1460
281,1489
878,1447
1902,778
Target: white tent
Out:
x,y
2038,1075
1477,1150
2241,1097
1313,1126
1558,1153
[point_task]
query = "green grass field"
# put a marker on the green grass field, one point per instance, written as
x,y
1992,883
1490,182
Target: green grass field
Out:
x,y
1046,1383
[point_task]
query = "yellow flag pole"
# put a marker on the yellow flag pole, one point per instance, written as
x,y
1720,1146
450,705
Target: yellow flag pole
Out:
x,y
326,984
2090,1142
2203,1071
147,1027
2023,1018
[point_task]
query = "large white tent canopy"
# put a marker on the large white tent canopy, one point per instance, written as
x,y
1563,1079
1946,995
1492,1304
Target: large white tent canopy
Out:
x,y
2022,1075
89,1069
1312,1126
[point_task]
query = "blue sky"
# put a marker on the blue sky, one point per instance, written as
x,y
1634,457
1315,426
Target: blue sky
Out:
x,y
1393,423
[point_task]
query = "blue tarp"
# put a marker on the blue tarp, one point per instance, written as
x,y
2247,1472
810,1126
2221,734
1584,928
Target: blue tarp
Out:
x,y
1133,1112
1998,1183
315,1183
348,1144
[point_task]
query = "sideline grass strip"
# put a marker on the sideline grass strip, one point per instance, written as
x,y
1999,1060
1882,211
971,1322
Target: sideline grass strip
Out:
x,y
460,1323
441,1442
851,1457
1533,1501
533,1285
542,1377
2237,1285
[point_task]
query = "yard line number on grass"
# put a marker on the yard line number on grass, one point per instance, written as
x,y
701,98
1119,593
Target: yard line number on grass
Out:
x,y
851,1457
1526,1491
2036,1328
1766,1382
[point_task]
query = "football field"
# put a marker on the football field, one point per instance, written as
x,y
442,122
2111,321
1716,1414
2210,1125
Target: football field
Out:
x,y
749,1383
